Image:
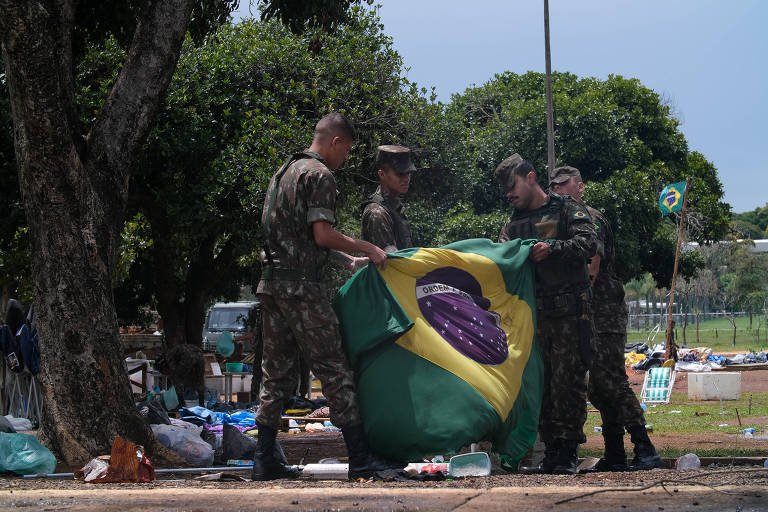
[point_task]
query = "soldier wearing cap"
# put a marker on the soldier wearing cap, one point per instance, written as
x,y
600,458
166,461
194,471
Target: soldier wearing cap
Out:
x,y
609,389
384,223
566,240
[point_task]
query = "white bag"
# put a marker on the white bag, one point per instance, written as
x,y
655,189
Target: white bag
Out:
x,y
188,445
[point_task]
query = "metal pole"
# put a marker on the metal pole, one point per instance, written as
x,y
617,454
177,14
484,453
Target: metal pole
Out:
x,y
674,271
550,110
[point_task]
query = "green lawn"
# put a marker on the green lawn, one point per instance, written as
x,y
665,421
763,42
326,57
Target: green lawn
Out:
x,y
716,334
663,420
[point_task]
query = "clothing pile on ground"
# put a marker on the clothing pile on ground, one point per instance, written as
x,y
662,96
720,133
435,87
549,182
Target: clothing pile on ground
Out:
x,y
221,435
641,357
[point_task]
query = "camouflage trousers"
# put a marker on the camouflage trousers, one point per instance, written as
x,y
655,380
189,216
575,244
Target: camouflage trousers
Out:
x,y
566,346
292,326
609,388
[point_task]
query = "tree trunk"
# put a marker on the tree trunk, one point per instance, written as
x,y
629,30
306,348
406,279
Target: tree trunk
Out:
x,y
732,320
74,190
697,329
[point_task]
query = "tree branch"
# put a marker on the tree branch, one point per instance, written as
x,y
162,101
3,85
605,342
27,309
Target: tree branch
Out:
x,y
139,90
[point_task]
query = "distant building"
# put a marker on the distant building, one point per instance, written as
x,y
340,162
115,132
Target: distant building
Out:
x,y
760,245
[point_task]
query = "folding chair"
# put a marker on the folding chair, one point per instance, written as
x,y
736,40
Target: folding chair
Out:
x,y
657,385
23,395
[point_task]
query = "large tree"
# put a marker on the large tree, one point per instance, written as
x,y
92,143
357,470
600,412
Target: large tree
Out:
x,y
74,184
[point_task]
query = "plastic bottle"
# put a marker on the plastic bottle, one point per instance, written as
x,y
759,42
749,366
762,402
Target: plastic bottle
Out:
x,y
688,461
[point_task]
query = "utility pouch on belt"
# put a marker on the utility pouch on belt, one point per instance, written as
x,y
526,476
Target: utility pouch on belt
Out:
x,y
554,306
586,331
269,272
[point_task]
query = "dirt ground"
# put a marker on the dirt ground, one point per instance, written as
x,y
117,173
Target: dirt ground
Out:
x,y
655,490
713,488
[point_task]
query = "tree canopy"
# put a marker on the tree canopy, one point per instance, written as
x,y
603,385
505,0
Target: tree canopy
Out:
x,y
617,132
239,103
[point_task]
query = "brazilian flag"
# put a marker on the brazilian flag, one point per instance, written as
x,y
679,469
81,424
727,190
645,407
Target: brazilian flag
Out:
x,y
671,198
443,347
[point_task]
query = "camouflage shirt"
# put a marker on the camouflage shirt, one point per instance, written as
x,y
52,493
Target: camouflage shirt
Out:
x,y
306,194
384,223
567,226
608,307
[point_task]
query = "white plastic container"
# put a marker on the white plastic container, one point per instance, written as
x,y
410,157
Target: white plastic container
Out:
x,y
470,464
326,471
714,386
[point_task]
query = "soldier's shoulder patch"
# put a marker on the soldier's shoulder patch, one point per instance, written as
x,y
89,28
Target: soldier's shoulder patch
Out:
x,y
597,226
579,215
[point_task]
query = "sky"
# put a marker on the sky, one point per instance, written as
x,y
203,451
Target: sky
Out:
x,y
707,59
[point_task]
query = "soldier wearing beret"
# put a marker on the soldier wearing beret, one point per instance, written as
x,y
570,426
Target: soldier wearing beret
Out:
x,y
609,389
384,223
566,240
299,239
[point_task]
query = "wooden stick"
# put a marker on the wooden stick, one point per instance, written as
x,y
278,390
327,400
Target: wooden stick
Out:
x,y
737,415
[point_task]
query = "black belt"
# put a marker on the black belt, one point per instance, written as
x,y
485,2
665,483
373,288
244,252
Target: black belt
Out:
x,y
269,272
563,300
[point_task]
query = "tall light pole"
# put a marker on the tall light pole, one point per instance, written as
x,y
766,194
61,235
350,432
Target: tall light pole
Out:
x,y
550,111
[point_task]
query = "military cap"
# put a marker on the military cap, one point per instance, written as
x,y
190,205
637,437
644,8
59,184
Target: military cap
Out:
x,y
563,174
504,171
397,158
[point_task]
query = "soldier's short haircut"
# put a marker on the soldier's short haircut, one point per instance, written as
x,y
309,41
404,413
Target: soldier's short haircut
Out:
x,y
334,125
523,168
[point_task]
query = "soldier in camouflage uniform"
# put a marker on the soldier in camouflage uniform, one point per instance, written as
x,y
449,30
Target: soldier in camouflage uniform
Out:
x,y
564,327
384,223
298,220
609,389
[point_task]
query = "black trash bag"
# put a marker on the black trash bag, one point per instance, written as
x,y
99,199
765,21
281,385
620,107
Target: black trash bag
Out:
x,y
218,449
638,347
5,425
240,446
647,364
236,444
299,402
154,412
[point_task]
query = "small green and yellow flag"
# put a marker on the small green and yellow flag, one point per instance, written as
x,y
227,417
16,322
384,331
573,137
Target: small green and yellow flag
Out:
x,y
444,350
671,198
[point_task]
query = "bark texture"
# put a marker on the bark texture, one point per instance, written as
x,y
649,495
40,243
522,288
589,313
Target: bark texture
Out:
x,y
74,189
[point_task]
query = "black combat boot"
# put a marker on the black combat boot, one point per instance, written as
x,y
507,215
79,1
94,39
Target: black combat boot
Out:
x,y
545,466
265,465
363,463
646,456
614,459
567,457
